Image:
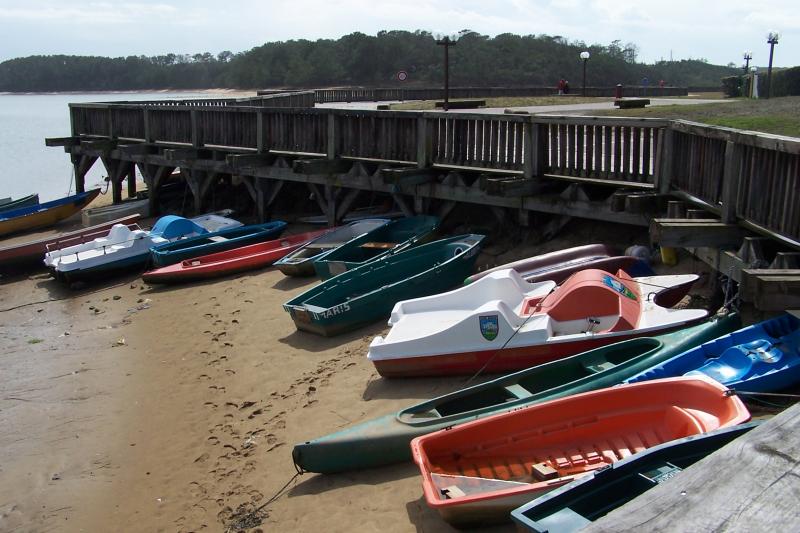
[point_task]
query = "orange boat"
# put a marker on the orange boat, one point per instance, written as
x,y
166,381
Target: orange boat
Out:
x,y
476,473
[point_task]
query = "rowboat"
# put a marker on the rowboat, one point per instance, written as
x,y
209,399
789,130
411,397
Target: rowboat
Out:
x,y
301,261
575,505
476,473
393,237
502,323
559,265
241,259
764,357
7,204
217,241
44,215
367,293
97,215
123,248
385,440
33,251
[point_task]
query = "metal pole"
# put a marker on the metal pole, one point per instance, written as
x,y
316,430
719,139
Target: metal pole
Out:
x,y
446,74
769,71
584,77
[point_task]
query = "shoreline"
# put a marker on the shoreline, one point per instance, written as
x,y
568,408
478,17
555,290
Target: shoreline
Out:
x,y
136,91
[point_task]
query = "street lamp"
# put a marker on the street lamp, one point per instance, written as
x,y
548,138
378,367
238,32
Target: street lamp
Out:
x,y
446,40
585,57
747,57
772,39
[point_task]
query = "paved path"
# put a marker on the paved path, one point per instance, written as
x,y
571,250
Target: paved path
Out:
x,y
541,109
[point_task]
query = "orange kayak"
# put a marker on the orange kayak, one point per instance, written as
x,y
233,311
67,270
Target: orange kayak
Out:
x,y
240,259
476,473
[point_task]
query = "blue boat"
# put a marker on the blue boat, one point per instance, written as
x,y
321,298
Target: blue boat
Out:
x,y
575,505
44,215
217,241
763,357
7,204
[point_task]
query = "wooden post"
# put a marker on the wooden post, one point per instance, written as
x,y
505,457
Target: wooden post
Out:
x,y
665,154
261,141
330,147
195,131
424,140
148,132
132,181
730,181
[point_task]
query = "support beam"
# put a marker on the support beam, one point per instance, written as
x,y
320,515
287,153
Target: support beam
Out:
x,y
81,164
344,207
771,290
137,149
241,161
132,181
408,177
401,203
511,186
445,209
66,142
321,166
695,232
319,197
154,176
117,170
264,194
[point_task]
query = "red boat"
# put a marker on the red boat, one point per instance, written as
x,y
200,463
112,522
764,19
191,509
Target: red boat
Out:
x,y
32,252
239,259
474,474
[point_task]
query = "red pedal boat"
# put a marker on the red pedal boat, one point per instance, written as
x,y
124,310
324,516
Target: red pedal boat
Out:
x,y
474,474
240,259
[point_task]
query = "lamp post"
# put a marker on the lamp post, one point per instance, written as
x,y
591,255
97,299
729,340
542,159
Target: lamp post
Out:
x,y
446,41
772,39
585,57
747,57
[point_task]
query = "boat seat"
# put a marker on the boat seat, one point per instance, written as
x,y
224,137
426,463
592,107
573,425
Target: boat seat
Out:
x,y
598,365
736,363
379,245
519,391
323,245
218,238
563,520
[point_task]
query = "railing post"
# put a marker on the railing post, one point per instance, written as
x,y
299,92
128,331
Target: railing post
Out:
x,y
195,130
261,141
532,150
330,150
148,134
110,119
424,141
664,158
730,181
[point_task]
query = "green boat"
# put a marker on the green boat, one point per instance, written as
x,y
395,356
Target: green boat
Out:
x,y
385,440
369,292
391,238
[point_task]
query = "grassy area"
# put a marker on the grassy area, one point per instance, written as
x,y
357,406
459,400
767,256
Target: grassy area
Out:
x,y
514,101
780,116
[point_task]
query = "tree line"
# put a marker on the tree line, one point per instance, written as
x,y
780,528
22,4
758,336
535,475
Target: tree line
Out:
x,y
364,60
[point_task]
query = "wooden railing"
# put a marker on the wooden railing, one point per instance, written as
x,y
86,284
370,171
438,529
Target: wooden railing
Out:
x,y
744,176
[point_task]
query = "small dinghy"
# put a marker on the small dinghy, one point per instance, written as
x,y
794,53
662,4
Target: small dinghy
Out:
x,y
301,261
31,252
559,265
251,257
45,214
764,357
393,237
124,248
367,293
476,473
575,505
7,204
217,241
385,440
502,323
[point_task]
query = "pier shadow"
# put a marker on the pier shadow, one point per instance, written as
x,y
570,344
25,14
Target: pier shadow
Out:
x,y
291,283
314,484
312,342
57,289
423,518
414,388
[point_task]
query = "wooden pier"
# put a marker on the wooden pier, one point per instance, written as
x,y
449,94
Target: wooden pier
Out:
x,y
742,187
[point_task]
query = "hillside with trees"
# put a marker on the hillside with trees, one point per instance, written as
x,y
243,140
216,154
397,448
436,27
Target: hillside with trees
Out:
x,y
359,59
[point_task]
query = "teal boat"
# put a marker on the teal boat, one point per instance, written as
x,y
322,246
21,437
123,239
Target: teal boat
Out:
x,y
385,440
390,238
369,292
217,241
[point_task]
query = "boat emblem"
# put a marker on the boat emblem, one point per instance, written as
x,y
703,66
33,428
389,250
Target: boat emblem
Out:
x,y
490,326
619,287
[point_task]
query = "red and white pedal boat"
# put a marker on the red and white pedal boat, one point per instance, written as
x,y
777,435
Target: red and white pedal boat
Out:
x,y
502,323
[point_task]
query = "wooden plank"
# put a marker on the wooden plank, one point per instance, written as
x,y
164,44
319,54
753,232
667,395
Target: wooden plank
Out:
x,y
695,232
321,166
749,485
408,176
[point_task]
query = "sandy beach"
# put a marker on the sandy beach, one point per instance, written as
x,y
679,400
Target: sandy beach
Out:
x,y
127,407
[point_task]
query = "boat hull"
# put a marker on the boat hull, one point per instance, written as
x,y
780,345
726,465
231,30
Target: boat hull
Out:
x,y
112,268
385,440
474,474
48,214
26,201
241,259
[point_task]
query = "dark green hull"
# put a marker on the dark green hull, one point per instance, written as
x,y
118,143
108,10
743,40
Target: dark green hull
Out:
x,y
369,292
386,440
394,237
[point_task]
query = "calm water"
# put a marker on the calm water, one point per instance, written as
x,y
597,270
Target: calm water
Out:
x,y
26,165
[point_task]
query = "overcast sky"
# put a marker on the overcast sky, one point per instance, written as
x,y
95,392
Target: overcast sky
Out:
x,y
717,30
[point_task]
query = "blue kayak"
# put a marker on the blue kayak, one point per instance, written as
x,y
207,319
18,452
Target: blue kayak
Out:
x,y
763,357
217,241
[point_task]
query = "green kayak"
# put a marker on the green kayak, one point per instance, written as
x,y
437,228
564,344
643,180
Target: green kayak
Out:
x,y
385,440
393,237
369,292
